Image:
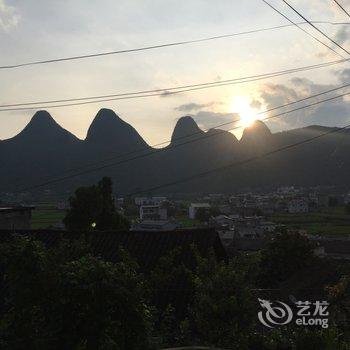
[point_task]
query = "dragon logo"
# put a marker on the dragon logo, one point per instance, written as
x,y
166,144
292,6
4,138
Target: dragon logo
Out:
x,y
278,315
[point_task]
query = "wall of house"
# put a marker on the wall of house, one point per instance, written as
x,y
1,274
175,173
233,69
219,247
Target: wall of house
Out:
x,y
19,220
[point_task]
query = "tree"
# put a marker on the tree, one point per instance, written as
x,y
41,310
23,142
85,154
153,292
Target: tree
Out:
x,y
93,208
339,296
204,214
64,298
214,301
224,307
285,255
172,288
347,208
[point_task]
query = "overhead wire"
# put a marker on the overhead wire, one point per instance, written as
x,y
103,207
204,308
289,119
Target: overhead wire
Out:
x,y
149,47
316,28
342,8
302,29
167,91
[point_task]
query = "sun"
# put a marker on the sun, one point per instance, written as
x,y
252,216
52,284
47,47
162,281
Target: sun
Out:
x,y
247,114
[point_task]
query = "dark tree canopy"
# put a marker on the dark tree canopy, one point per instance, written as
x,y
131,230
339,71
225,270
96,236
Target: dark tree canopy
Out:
x,y
93,208
65,298
286,254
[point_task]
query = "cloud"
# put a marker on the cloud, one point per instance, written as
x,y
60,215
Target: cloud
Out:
x,y
344,76
342,35
207,119
9,17
331,113
192,106
256,104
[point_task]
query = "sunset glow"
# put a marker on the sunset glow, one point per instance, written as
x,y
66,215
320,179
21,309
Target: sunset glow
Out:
x,y
247,114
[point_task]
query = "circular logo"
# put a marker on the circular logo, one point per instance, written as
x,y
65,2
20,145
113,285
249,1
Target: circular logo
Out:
x,y
275,313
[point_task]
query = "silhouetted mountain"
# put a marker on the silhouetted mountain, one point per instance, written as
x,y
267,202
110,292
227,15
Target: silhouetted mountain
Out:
x,y
42,129
186,128
109,131
256,137
43,150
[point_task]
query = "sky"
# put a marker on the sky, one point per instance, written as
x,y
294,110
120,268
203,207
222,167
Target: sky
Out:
x,y
40,29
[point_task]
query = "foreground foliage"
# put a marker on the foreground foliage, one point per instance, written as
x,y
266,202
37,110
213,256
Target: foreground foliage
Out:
x,y
63,297
67,299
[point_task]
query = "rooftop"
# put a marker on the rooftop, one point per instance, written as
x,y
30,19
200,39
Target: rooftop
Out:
x,y
16,208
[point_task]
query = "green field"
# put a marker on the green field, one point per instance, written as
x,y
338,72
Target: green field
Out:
x,y
327,221
44,217
186,222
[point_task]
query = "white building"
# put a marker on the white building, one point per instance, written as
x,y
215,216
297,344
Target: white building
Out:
x,y
149,200
192,210
153,212
298,206
287,190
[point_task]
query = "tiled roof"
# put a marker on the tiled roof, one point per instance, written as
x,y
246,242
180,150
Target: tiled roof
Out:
x,y
17,208
144,246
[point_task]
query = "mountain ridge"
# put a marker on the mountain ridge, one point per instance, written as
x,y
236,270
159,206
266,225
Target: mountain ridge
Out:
x,y
44,148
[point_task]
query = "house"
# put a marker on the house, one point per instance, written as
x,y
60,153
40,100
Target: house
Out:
x,y
216,197
154,225
236,201
141,200
267,227
246,245
194,207
15,218
153,212
253,227
222,222
287,190
119,202
247,231
225,209
298,206
250,203
149,200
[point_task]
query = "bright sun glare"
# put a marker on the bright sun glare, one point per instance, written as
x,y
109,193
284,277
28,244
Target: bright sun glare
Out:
x,y
247,114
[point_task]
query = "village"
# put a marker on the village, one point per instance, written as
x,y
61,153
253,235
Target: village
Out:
x,y
244,221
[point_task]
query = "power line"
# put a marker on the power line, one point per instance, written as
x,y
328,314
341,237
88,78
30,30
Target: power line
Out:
x,y
170,148
313,26
160,92
151,47
239,163
302,29
342,8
